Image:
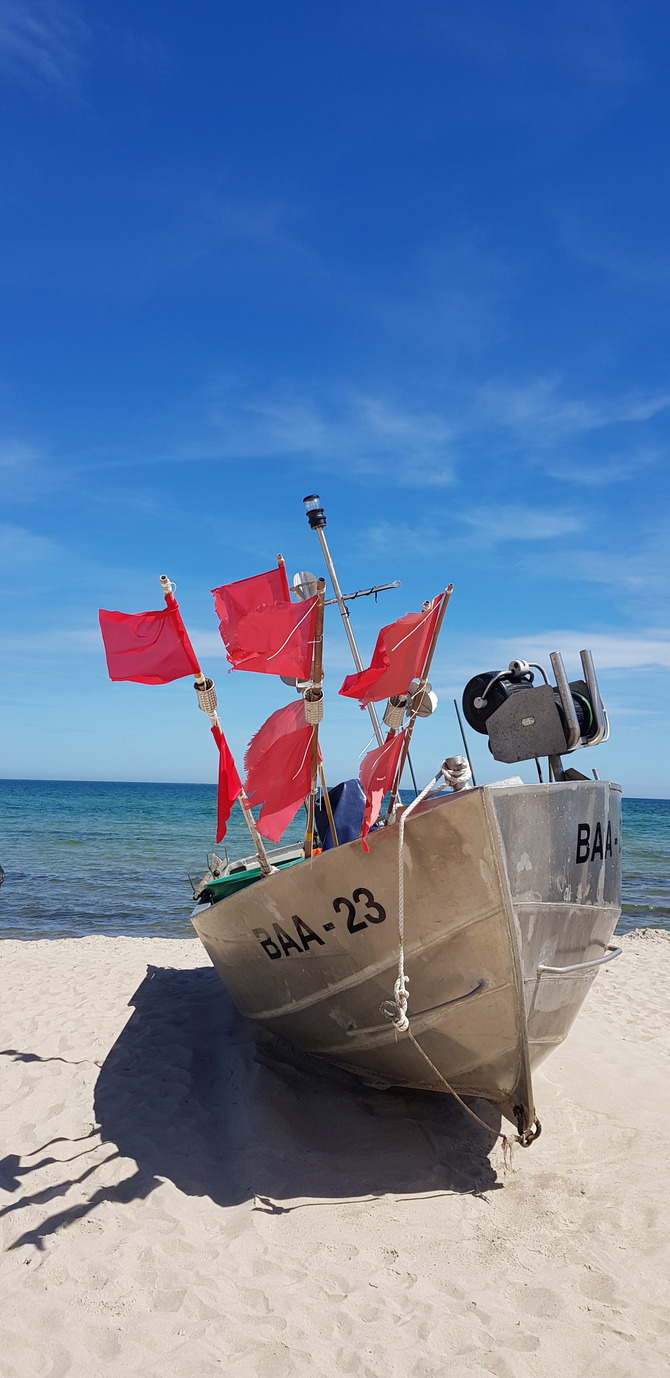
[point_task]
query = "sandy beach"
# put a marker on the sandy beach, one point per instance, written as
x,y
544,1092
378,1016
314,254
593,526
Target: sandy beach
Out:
x,y
183,1196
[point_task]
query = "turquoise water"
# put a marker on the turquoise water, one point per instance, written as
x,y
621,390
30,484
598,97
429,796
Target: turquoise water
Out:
x,y
111,858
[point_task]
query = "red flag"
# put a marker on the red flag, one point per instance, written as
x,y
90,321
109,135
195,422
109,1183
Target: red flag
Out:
x,y
261,628
230,785
147,647
278,640
278,766
399,657
377,774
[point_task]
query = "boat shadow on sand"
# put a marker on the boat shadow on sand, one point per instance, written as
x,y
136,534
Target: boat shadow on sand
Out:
x,y
196,1093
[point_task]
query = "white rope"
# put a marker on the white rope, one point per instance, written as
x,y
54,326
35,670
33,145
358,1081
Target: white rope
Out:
x,y
418,627
307,749
396,1009
291,633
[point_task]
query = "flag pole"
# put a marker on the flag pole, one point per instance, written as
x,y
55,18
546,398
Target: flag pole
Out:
x,y
281,566
328,807
204,688
313,699
417,699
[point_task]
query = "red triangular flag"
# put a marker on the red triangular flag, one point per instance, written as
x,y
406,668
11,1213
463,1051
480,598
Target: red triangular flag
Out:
x,y
278,765
262,629
147,647
377,774
398,658
230,785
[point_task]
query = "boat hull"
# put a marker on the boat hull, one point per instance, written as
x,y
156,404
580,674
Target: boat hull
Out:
x,y
493,889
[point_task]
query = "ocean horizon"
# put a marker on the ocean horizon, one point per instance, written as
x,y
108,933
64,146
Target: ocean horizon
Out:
x,y
115,857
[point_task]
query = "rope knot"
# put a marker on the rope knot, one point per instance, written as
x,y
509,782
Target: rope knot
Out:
x,y
396,1009
400,998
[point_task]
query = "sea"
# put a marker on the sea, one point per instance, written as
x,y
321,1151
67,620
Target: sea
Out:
x,y
84,857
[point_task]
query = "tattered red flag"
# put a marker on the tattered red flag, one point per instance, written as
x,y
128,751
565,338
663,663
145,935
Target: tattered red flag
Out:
x,y
399,657
147,647
262,629
278,766
230,785
377,773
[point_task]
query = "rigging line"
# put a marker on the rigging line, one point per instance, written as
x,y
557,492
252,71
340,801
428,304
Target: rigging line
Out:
x,y
418,627
307,748
292,633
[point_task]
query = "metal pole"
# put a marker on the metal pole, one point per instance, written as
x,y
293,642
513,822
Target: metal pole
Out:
x,y
465,743
344,613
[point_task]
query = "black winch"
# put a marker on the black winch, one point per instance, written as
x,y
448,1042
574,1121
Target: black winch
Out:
x,y
523,719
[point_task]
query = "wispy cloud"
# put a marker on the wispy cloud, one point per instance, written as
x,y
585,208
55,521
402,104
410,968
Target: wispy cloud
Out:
x,y
20,547
611,650
614,468
540,413
615,653
15,454
603,238
425,540
57,641
519,523
557,73
374,434
482,526
368,433
41,42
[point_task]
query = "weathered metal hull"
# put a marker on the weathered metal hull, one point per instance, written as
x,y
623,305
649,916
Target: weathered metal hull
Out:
x,y
498,882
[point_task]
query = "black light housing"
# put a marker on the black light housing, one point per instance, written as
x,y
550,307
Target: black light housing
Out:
x,y
315,513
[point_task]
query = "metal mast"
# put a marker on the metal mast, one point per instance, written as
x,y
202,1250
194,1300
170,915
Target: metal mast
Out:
x,y
317,520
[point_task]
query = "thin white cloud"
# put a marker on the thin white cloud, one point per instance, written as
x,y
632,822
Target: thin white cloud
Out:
x,y
611,650
637,570
16,454
539,413
616,468
516,522
41,42
403,540
366,432
20,547
57,641
375,435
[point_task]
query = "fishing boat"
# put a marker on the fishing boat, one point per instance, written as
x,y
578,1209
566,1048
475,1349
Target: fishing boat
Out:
x,y
447,943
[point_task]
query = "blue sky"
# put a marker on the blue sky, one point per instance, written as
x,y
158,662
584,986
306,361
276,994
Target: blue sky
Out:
x,y
413,257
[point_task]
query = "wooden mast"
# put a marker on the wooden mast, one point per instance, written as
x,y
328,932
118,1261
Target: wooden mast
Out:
x,y
314,712
417,697
204,686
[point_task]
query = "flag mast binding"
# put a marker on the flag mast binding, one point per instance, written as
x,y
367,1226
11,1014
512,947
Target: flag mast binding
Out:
x,y
207,701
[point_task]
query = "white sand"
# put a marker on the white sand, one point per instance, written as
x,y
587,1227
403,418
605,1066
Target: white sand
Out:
x,y
183,1197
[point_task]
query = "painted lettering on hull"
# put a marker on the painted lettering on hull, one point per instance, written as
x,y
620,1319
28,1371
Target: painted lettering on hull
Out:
x,y
591,845
361,910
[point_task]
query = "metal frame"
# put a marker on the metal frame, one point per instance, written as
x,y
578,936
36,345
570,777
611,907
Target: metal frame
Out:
x,y
574,738
610,953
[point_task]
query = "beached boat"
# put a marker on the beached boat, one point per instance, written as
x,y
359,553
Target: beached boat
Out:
x,y
510,894
448,944
511,898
